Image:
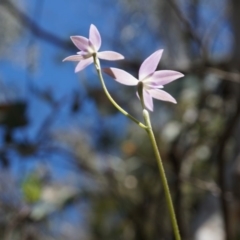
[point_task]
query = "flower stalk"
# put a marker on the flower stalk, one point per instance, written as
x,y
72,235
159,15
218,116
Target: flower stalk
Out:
x,y
99,72
148,128
162,175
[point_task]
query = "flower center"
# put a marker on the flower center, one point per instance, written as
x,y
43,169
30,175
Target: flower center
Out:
x,y
91,48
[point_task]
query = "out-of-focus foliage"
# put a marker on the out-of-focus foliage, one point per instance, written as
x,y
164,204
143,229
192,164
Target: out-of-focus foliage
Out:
x,y
74,168
31,189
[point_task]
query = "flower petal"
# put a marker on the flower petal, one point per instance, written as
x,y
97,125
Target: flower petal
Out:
x,y
148,102
163,77
121,76
73,58
80,42
150,64
95,37
110,55
83,64
161,95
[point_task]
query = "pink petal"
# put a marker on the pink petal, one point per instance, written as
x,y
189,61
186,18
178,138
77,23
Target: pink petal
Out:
x,y
163,77
150,64
161,95
73,58
110,55
147,100
95,37
121,76
80,42
83,64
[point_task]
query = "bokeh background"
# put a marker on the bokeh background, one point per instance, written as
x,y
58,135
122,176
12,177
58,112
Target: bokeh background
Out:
x,y
72,167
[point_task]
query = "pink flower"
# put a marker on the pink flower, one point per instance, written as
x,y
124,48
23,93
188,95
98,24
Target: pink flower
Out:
x,y
150,79
89,47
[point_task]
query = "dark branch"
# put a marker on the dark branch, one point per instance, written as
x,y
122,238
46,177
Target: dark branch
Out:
x,y
35,29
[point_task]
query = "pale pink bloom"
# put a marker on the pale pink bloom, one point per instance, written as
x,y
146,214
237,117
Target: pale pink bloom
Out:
x,y
88,47
150,79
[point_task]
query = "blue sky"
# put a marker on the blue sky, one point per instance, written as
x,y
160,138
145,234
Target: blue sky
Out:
x,y
63,20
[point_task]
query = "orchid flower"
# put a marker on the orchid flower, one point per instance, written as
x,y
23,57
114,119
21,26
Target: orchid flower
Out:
x,y
150,79
88,48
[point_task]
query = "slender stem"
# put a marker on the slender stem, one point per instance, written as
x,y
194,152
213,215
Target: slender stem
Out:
x,y
162,175
148,128
99,72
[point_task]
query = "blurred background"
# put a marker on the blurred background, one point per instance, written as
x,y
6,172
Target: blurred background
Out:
x,y
72,167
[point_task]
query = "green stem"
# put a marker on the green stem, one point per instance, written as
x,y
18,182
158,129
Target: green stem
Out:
x,y
99,72
162,175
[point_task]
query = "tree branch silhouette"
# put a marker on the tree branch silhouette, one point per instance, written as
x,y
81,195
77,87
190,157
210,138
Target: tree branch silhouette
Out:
x,y
34,28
